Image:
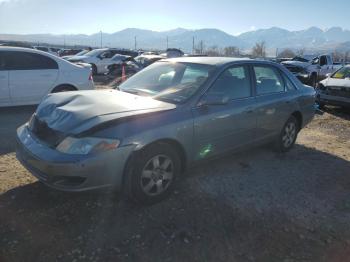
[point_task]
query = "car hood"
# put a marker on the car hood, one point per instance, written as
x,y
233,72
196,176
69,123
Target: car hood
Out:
x,y
336,82
296,63
78,111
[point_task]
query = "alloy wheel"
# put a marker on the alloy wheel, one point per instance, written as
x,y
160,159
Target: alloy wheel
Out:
x,y
289,134
157,175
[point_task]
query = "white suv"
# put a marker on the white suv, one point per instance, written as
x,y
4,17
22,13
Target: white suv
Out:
x,y
27,75
100,59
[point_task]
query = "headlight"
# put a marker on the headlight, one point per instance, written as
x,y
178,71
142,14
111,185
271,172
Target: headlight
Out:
x,y
86,145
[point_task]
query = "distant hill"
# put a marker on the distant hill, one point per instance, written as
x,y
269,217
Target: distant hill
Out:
x,y
311,38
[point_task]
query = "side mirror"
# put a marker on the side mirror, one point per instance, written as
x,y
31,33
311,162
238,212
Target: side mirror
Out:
x,y
213,99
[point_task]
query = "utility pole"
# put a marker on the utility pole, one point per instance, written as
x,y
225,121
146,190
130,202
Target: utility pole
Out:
x,y
101,37
193,45
135,43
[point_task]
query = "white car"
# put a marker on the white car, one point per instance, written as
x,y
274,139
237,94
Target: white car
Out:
x,y
100,59
28,75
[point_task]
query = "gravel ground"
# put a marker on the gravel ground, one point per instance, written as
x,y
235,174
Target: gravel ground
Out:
x,y
251,206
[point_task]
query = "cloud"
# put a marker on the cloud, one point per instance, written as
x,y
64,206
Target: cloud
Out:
x,y
252,28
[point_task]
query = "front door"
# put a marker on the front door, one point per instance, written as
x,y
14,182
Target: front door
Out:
x,y
219,128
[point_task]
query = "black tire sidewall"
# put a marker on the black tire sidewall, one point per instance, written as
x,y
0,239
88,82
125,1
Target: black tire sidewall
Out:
x,y
132,185
93,69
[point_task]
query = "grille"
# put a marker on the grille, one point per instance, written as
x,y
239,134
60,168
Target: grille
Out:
x,y
338,91
46,134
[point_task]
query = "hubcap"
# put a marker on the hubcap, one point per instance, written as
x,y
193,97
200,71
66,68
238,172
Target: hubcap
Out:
x,y
289,134
157,175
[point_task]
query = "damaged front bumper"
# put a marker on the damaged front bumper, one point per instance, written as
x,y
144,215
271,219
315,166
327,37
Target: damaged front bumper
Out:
x,y
71,172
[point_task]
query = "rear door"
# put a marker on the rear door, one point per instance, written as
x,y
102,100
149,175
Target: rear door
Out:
x,y
4,81
274,102
219,128
31,76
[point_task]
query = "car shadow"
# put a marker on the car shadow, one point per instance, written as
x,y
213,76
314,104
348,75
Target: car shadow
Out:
x,y
256,205
11,118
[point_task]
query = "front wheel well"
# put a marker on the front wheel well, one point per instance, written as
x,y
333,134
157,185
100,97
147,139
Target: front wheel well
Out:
x,y
176,145
64,87
299,118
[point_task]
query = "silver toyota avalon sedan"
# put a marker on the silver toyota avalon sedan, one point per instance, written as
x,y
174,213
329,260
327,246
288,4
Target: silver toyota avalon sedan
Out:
x,y
167,117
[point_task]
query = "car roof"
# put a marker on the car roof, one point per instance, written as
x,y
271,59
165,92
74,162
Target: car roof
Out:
x,y
28,50
216,61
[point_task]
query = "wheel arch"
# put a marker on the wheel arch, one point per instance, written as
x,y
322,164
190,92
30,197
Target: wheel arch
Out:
x,y
299,117
57,88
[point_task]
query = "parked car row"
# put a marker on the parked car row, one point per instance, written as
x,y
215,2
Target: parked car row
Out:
x,y
28,75
310,72
100,59
331,80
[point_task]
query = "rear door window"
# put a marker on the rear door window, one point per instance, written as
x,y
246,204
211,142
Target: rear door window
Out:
x,y
268,80
29,61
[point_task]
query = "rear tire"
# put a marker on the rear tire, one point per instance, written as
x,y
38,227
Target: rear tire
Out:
x,y
150,174
288,135
94,69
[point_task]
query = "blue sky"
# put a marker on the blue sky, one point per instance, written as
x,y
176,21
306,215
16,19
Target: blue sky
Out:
x,y
234,17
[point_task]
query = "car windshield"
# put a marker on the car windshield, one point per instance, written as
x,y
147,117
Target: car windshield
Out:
x,y
172,82
94,52
300,59
342,73
83,52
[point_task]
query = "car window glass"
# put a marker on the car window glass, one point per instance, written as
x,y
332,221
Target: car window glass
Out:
x,y
165,80
192,74
2,61
233,82
289,85
29,61
268,80
323,60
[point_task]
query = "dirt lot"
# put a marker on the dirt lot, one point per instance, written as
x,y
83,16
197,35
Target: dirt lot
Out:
x,y
252,206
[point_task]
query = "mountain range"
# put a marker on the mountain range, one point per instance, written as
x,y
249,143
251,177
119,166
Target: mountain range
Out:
x,y
313,38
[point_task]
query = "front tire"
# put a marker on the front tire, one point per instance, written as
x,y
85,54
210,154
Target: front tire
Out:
x,y
151,174
288,136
